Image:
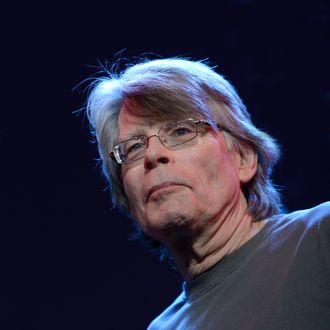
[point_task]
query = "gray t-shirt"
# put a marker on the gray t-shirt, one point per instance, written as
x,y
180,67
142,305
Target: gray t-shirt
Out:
x,y
280,279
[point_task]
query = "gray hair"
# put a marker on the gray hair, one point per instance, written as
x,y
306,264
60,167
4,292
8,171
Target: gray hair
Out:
x,y
177,88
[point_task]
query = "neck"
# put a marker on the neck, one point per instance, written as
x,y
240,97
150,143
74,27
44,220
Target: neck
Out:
x,y
194,255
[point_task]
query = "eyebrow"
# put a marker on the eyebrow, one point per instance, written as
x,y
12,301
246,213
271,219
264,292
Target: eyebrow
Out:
x,y
137,132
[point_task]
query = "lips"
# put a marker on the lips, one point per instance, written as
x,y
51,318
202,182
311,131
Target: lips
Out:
x,y
162,186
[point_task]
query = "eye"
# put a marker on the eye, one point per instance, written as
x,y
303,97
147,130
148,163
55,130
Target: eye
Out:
x,y
180,131
134,148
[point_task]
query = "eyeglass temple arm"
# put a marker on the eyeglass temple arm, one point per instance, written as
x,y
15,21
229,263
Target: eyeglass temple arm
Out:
x,y
112,156
222,128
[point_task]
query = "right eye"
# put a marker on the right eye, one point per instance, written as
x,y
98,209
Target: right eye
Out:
x,y
134,147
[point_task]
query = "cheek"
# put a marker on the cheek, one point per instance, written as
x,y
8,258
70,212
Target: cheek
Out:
x,y
216,174
132,182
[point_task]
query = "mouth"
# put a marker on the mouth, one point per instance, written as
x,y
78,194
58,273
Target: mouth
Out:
x,y
162,186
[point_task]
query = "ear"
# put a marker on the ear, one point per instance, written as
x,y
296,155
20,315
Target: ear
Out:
x,y
247,167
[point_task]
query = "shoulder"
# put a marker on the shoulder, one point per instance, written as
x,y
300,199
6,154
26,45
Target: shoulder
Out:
x,y
307,217
170,318
312,221
319,217
312,217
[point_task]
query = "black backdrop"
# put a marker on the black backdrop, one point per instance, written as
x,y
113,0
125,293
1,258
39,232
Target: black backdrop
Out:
x,y
66,262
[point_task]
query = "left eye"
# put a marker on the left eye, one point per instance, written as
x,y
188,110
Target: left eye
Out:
x,y
180,131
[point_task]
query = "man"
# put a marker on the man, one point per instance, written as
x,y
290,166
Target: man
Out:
x,y
185,161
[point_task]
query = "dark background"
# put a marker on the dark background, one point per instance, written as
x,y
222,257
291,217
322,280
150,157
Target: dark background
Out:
x,y
66,261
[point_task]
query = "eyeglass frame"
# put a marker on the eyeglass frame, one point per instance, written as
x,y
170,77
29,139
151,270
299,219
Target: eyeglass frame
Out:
x,y
115,149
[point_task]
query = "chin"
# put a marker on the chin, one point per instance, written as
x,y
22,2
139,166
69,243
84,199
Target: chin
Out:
x,y
167,222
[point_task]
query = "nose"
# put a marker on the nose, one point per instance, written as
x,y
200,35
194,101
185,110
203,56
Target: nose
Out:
x,y
156,153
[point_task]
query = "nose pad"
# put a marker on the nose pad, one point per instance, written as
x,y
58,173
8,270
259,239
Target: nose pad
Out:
x,y
151,136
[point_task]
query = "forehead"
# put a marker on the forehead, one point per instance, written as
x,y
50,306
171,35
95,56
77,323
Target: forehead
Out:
x,y
128,121
131,123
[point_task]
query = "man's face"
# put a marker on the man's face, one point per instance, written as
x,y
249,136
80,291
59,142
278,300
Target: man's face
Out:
x,y
183,190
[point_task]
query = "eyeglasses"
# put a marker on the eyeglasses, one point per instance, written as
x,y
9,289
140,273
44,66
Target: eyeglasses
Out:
x,y
171,135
